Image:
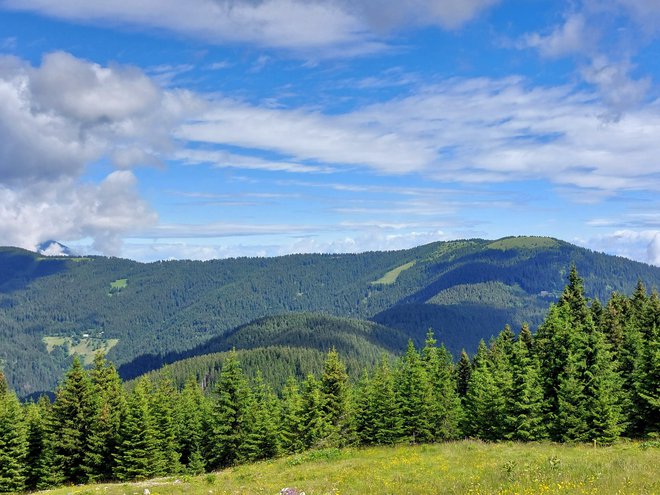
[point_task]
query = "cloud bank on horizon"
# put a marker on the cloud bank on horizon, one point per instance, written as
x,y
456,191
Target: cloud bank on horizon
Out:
x,y
222,128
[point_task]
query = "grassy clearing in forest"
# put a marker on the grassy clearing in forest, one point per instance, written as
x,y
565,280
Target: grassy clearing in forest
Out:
x,y
465,467
390,277
86,347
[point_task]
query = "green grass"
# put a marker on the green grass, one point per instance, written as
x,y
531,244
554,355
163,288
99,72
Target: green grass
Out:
x,y
523,242
466,467
120,283
390,277
86,347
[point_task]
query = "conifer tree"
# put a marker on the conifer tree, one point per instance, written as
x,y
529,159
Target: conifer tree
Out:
x,y
262,439
163,399
13,441
72,415
364,410
107,406
446,406
336,407
646,380
500,355
315,425
414,396
482,395
137,455
191,409
291,429
36,435
42,436
386,420
463,372
525,407
230,413
571,419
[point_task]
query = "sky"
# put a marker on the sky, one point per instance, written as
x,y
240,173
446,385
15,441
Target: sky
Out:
x,y
162,129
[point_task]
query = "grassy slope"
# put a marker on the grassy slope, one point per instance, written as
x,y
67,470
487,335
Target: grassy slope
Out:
x,y
466,467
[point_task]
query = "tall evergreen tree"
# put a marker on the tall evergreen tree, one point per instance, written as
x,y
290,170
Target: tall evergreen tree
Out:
x,y
107,406
316,426
446,406
191,409
291,429
336,407
386,419
463,372
163,399
525,403
414,396
13,441
481,398
230,413
262,438
137,454
72,416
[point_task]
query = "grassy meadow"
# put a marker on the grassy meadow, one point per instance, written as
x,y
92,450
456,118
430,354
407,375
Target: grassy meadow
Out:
x,y
465,467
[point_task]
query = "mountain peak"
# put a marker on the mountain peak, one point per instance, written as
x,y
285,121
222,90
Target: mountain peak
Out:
x,y
54,248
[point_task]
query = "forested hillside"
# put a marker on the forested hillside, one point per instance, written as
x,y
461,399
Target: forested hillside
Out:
x,y
589,374
52,308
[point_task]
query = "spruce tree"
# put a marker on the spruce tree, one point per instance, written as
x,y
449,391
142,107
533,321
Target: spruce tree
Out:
x,y
386,421
481,398
500,356
446,407
72,416
525,404
262,438
107,406
315,425
414,396
191,409
137,454
336,407
163,401
463,372
13,441
230,413
291,420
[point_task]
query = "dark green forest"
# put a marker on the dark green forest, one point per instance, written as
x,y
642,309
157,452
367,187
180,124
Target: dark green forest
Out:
x,y
589,374
144,315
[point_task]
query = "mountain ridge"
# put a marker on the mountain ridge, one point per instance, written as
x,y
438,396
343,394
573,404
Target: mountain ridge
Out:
x,y
465,290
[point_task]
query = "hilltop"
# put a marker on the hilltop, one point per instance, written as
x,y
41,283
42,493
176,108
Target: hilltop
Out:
x,y
52,307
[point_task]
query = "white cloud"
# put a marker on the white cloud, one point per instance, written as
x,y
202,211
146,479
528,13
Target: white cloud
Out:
x,y
338,27
66,210
653,250
56,119
461,130
567,39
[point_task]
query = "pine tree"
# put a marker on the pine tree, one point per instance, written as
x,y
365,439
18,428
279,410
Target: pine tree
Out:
x,y
446,407
72,416
230,413
107,406
291,429
137,455
13,441
500,356
646,380
42,437
364,410
414,396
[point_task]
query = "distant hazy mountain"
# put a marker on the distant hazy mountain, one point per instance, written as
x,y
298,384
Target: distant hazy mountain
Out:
x,y
54,248
146,314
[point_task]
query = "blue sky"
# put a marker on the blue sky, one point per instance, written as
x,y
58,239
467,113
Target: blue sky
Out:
x,y
157,129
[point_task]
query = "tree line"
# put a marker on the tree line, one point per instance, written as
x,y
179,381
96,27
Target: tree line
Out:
x,y
590,373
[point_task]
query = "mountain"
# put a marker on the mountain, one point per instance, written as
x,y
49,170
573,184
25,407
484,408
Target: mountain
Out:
x,y
143,314
54,248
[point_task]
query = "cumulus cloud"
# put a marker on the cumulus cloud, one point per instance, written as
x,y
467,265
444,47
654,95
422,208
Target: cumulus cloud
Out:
x,y
67,210
653,250
335,26
56,119
566,39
